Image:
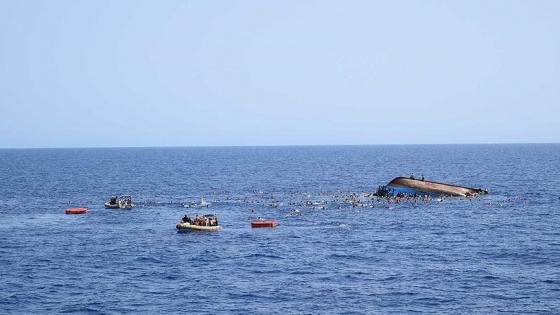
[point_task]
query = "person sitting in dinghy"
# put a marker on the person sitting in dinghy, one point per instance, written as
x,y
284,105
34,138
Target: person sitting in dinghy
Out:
x,y
186,219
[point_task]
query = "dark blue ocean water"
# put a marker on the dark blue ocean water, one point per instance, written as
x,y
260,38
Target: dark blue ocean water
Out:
x,y
499,253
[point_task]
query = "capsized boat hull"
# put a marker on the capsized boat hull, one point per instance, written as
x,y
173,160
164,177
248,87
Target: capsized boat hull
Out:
x,y
410,186
187,227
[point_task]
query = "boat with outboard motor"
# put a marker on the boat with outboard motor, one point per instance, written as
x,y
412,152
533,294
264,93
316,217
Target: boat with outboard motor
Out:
x,y
208,222
420,187
122,202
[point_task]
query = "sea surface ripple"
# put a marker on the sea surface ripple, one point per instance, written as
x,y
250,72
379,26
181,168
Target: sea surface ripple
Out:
x,y
329,254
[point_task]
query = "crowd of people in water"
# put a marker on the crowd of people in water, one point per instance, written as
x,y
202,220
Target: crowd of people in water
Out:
x,y
299,204
201,221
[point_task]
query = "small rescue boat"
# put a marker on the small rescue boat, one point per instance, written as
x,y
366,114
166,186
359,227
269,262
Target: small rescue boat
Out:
x,y
208,222
187,227
260,224
122,202
76,210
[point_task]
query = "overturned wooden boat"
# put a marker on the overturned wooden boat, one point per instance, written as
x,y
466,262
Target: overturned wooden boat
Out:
x,y
421,187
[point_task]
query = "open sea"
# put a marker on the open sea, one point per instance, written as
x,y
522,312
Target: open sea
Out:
x,y
336,250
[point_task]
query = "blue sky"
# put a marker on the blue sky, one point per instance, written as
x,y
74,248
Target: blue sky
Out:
x,y
211,73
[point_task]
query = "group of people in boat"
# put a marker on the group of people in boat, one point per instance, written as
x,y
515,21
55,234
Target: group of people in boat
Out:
x,y
124,201
200,221
113,200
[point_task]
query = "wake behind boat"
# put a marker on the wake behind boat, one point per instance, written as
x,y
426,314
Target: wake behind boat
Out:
x,y
421,187
208,222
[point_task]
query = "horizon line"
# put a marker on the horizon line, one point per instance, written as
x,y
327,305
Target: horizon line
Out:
x,y
275,145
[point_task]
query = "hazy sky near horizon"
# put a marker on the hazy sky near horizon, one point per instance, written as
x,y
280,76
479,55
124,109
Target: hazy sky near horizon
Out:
x,y
210,73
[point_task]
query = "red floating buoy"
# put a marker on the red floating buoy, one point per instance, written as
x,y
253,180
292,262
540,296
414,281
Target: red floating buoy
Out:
x,y
76,210
259,224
